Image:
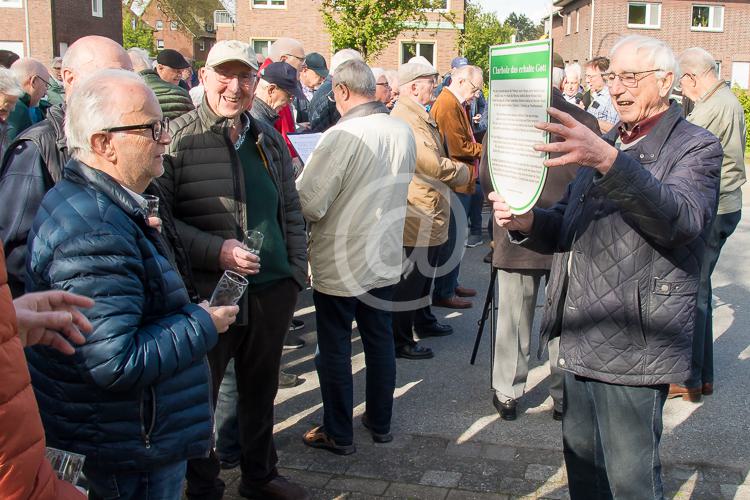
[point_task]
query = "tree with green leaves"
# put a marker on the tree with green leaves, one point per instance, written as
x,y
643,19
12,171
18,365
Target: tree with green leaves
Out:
x,y
136,33
481,30
369,26
524,27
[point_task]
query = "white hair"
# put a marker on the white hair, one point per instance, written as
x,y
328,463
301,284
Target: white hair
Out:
x,y
377,73
558,75
140,58
91,107
8,83
573,72
344,55
357,77
698,61
654,53
26,68
466,72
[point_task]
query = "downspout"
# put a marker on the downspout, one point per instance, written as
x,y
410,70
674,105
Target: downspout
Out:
x,y
591,31
28,33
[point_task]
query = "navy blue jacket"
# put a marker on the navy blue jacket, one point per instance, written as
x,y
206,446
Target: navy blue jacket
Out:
x,y
136,395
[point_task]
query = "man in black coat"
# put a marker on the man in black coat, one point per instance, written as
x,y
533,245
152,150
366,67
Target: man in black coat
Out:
x,y
628,238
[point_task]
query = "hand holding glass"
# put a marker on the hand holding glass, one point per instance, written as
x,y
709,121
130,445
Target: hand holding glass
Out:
x,y
229,290
253,241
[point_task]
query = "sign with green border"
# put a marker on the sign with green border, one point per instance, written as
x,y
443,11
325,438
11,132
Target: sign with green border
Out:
x,y
519,94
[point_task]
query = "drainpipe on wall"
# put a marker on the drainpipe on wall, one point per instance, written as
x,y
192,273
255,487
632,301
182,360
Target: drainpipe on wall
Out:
x,y
591,31
28,35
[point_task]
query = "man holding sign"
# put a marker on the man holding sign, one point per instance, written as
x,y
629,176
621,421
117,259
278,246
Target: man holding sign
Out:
x,y
627,238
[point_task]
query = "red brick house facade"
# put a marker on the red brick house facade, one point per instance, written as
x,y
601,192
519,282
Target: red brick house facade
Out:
x,y
47,28
720,27
260,22
171,34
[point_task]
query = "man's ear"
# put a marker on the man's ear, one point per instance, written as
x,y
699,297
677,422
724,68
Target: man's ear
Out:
x,y
101,145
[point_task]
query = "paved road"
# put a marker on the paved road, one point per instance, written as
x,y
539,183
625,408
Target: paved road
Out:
x,y
450,443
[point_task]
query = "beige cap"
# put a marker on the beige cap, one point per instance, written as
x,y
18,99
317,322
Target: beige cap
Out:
x,y
411,71
232,50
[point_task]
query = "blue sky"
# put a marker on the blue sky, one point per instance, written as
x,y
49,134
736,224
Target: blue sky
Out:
x,y
534,9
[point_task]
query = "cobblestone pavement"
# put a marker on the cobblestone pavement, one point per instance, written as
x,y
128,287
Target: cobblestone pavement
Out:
x,y
450,444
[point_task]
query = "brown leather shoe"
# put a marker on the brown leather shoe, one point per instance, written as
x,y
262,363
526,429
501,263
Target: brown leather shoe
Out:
x,y
453,303
692,394
278,488
465,292
707,389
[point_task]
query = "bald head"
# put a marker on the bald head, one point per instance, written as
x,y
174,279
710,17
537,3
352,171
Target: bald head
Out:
x,y
33,77
287,50
90,54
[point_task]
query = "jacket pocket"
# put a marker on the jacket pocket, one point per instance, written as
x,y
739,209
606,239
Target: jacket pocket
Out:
x,y
684,287
148,414
633,318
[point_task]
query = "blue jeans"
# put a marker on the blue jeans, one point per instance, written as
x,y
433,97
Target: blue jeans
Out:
x,y
164,483
333,361
227,426
472,204
446,283
611,437
702,366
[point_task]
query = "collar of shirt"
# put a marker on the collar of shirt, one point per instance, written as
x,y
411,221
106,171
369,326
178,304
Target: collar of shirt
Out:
x,y
245,127
710,92
137,197
461,101
603,92
640,129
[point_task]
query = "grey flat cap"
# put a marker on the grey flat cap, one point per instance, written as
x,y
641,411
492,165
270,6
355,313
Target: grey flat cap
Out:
x,y
409,72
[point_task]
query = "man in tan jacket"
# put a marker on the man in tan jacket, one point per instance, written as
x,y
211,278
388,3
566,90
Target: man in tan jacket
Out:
x,y
428,209
456,133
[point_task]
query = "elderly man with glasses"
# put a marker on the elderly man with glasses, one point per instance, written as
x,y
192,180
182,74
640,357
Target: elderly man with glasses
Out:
x,y
227,173
629,238
34,79
602,107
134,398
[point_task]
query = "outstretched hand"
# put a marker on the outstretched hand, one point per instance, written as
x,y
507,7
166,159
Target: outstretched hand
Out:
x,y
52,318
579,145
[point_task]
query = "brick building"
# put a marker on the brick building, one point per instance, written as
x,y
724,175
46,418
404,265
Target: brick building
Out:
x,y
260,22
44,29
172,34
582,29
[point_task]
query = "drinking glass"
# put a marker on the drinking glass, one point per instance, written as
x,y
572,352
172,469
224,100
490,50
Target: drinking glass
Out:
x,y
228,291
253,241
152,205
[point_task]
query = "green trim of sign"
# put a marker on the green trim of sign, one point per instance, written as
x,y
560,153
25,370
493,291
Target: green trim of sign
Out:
x,y
513,66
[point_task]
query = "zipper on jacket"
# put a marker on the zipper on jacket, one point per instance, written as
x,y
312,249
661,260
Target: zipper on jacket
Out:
x,y
146,434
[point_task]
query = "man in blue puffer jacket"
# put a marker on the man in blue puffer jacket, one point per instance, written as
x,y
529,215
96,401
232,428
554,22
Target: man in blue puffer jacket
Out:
x,y
135,398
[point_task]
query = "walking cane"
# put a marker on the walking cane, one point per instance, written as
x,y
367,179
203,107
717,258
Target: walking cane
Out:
x,y
489,307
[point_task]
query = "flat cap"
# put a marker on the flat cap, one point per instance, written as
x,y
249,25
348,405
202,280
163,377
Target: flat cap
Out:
x,y
317,63
172,59
232,50
409,72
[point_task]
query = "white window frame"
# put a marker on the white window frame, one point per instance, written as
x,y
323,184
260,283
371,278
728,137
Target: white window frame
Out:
x,y
650,25
253,40
11,4
568,25
159,25
418,43
266,5
578,20
202,45
446,9
159,44
97,8
711,13
174,26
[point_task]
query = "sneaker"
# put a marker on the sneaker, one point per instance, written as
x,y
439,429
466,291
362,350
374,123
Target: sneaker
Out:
x,y
297,324
474,240
293,343
288,380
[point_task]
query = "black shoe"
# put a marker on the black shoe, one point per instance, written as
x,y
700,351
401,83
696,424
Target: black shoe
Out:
x,y
318,438
229,463
278,488
506,410
297,324
376,437
557,415
434,330
291,343
414,352
488,258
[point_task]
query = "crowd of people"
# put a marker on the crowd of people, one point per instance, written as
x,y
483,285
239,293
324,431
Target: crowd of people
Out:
x,y
160,390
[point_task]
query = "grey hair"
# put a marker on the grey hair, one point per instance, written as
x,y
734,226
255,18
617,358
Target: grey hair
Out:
x,y
90,107
140,58
344,55
698,61
54,60
573,71
558,75
466,72
655,54
8,83
283,46
27,67
377,73
357,77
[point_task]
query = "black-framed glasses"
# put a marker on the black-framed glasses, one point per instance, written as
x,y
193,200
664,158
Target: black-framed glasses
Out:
x,y
157,128
384,84
296,57
628,79
46,83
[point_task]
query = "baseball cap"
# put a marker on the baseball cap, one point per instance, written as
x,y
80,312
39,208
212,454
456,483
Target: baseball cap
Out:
x,y
411,71
172,59
457,62
283,75
317,63
232,50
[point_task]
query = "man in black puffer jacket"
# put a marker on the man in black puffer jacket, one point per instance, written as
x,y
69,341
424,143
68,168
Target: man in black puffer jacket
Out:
x,y
628,238
135,398
227,173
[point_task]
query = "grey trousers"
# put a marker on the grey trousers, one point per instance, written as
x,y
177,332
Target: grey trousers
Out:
x,y
517,296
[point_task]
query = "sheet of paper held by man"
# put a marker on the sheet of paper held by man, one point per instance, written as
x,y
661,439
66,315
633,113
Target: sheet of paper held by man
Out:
x,y
520,79
304,144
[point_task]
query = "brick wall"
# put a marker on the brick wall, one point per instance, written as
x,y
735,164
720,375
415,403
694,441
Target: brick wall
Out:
x,y
13,29
575,46
610,23
73,19
302,20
